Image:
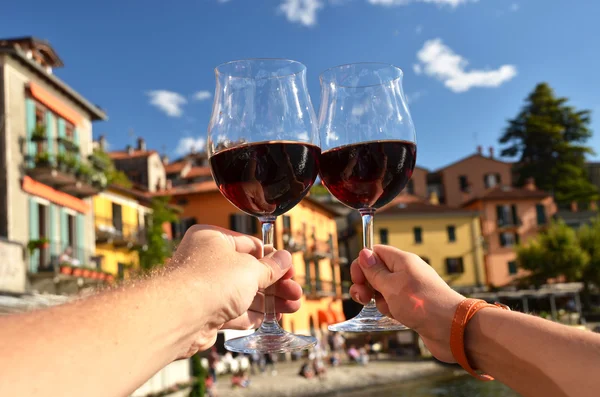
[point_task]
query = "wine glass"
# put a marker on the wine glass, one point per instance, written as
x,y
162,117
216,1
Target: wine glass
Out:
x,y
369,153
263,146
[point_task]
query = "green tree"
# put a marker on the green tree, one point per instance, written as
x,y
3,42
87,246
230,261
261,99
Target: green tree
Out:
x,y
548,137
102,161
157,249
199,373
555,252
589,239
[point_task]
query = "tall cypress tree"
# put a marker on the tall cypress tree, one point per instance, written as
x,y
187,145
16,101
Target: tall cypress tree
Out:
x,y
548,139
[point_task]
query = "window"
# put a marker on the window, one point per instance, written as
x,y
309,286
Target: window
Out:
x,y
491,180
383,236
121,270
117,217
69,131
71,232
243,223
40,115
512,267
454,266
418,232
451,233
307,273
287,223
463,182
509,239
540,212
410,187
507,215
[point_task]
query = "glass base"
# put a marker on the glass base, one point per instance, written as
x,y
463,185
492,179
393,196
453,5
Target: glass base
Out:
x,y
260,342
368,320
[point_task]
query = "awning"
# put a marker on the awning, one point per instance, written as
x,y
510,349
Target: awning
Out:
x,y
326,317
55,104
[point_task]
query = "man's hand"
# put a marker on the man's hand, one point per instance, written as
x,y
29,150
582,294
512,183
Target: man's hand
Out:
x,y
228,268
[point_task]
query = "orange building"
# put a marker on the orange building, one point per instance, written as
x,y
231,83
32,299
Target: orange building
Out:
x,y
308,231
510,216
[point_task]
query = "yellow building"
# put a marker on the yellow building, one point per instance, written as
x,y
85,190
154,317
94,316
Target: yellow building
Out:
x,y
119,216
448,239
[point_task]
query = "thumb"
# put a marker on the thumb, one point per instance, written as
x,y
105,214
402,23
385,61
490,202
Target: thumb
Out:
x,y
275,265
374,270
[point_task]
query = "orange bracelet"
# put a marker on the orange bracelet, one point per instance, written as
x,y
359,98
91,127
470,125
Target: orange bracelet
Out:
x,y
464,313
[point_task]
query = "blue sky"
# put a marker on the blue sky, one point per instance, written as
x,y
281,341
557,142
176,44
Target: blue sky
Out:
x,y
150,64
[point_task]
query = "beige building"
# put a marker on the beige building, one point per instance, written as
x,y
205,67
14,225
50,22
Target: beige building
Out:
x,y
45,178
143,167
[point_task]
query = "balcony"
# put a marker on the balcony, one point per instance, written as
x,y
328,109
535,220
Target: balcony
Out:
x,y
322,249
503,223
317,288
111,231
64,171
54,267
293,242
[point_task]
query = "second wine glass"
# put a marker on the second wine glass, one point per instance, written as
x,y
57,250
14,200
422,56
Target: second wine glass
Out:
x,y
369,153
264,154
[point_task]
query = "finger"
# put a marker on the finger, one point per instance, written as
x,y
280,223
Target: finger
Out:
x,y
288,289
356,273
259,198
289,274
375,271
361,293
281,305
240,242
383,306
272,267
393,258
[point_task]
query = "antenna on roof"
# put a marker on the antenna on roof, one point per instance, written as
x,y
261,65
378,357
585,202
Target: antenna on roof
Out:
x,y
131,135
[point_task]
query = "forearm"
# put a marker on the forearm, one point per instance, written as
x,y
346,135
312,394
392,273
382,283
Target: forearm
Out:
x,y
127,334
533,356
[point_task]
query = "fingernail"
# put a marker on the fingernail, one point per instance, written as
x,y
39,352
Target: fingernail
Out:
x,y
368,258
355,297
282,258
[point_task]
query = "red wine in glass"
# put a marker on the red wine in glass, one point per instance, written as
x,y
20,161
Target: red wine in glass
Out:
x,y
266,178
368,174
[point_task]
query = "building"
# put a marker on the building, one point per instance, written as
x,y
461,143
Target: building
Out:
x,y
143,167
576,215
121,216
469,177
448,239
510,216
46,179
308,231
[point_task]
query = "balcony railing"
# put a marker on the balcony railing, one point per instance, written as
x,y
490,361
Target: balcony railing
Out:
x,y
322,249
508,223
119,233
293,242
317,288
64,171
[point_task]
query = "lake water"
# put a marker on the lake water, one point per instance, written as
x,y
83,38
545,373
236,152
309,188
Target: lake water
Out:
x,y
457,387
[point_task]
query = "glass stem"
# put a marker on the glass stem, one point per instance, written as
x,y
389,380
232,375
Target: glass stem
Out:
x,y
368,216
270,324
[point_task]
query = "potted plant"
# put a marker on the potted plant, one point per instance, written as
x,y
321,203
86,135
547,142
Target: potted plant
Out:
x,y
39,133
109,278
42,243
68,144
77,272
101,276
66,269
86,272
42,159
84,172
99,180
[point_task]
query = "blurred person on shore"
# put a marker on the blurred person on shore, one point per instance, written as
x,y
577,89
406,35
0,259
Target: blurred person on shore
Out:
x,y
533,356
306,370
353,354
213,360
270,360
240,379
142,325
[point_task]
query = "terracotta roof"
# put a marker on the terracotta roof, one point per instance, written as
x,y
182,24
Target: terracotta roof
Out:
x,y
468,158
174,167
199,187
197,171
402,198
511,193
141,195
123,154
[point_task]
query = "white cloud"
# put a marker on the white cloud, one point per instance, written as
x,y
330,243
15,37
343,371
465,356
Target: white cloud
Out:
x,y
188,144
169,102
514,7
419,29
202,95
417,68
441,62
415,96
451,3
301,11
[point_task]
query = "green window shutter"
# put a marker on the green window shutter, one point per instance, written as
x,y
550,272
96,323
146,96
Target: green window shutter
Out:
x,y
52,225
76,141
34,233
64,230
30,126
80,241
61,134
51,133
